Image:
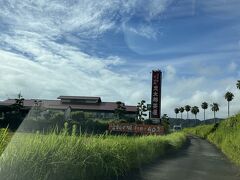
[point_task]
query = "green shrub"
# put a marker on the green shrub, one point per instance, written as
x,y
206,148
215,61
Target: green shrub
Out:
x,y
56,119
139,122
78,116
122,121
148,121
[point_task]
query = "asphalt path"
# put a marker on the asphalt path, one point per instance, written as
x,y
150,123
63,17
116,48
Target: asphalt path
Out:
x,y
199,160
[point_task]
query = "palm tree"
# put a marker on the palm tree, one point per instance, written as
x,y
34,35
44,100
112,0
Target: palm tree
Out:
x,y
238,84
214,108
181,109
187,108
176,110
19,101
204,107
229,97
194,111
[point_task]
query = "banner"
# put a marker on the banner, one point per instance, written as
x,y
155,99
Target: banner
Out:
x,y
156,94
136,128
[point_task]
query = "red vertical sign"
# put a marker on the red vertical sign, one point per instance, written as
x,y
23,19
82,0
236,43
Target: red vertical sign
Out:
x,y
156,94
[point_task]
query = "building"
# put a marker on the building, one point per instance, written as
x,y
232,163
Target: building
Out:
x,y
76,103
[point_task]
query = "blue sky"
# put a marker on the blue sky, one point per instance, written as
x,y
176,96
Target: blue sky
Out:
x,y
108,49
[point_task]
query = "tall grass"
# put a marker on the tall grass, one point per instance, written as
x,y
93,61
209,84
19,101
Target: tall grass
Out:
x,y
202,131
4,139
225,136
36,156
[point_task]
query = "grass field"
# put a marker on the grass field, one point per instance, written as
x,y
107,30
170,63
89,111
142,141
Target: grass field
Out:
x,y
225,136
36,156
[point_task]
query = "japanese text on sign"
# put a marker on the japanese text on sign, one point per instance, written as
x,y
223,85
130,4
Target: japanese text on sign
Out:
x,y
136,128
156,94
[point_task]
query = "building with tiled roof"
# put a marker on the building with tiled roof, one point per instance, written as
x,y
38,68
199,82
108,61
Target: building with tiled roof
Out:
x,y
76,103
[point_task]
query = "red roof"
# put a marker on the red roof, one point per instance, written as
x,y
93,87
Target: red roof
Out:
x,y
56,104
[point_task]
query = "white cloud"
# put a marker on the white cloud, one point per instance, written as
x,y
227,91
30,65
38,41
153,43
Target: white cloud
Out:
x,y
142,30
232,66
55,17
170,72
36,80
86,17
33,61
223,9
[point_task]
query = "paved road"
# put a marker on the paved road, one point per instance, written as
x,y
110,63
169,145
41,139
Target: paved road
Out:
x,y
200,160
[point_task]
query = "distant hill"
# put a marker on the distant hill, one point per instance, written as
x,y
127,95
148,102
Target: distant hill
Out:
x,y
210,121
191,122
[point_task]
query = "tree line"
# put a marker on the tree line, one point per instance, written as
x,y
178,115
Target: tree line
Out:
x,y
229,96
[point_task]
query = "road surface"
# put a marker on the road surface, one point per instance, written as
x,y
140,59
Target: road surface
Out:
x,y
200,160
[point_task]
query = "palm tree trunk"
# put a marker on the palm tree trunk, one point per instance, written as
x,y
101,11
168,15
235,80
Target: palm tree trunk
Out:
x,y
195,119
214,117
204,115
228,110
181,115
176,115
187,114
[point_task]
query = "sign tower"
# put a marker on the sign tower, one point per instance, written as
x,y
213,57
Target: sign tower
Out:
x,y
156,95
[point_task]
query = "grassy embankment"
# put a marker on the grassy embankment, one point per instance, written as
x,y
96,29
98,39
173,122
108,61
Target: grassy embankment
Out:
x,y
36,156
225,136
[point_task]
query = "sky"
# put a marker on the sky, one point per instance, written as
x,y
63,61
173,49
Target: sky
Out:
x,y
109,48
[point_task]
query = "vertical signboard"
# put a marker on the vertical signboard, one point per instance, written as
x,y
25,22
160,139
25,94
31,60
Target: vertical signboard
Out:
x,y
156,94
